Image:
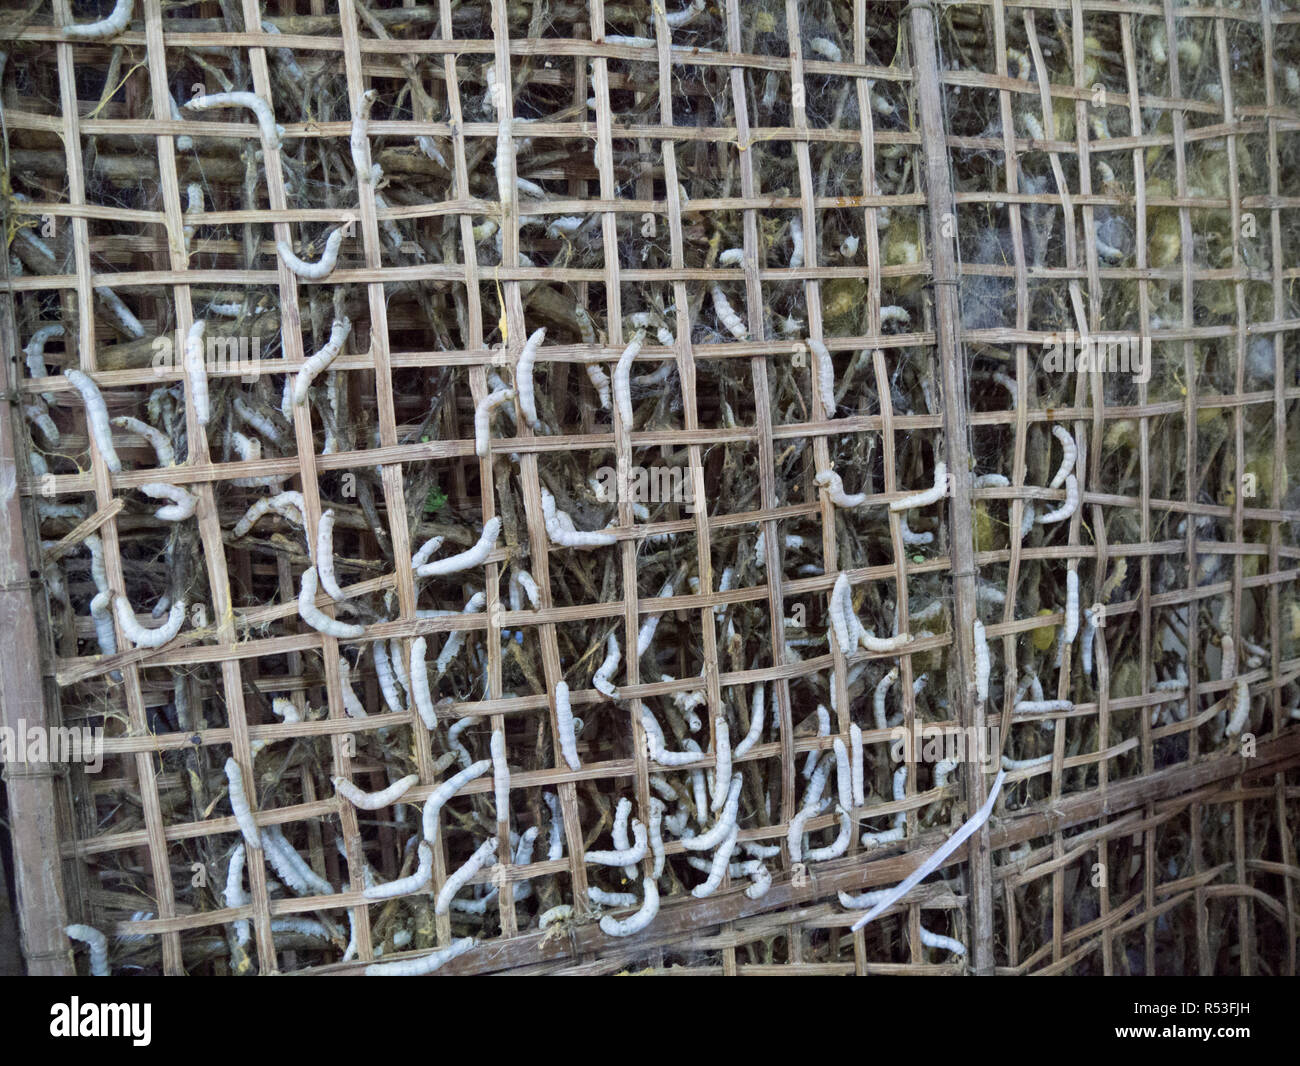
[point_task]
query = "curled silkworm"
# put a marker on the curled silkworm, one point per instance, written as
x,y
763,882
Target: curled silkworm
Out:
x,y
942,769
677,19
291,867
634,923
623,375
96,417
1241,709
834,486
755,724
196,370
183,502
601,680
570,538
325,555
559,913
839,845
446,790
462,876
863,900
1066,509
138,634
483,418
731,257
727,819
271,133
239,804
406,885
360,142
943,943
129,323
288,505
1070,452
338,334
913,538
374,801
931,495
718,870
524,378
323,267
982,665
88,934
425,964
162,447
1071,629
315,617
655,740
731,321
420,693
623,856
564,722
722,774
826,48
500,774
111,26
471,557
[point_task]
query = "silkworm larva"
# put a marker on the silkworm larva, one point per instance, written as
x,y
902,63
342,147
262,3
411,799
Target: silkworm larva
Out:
x,y
289,505
796,243
943,943
931,495
619,833
455,639
111,26
420,684
755,724
182,505
88,934
239,804
718,870
374,801
272,134
315,617
655,739
404,886
843,634
500,775
351,705
913,538
610,899
856,765
881,693
162,447
871,642
1070,452
425,964
196,371
138,634
991,481
714,835
483,418
524,377
893,313
291,867
843,774
570,538
823,730
564,722
941,771
1066,509
722,774
601,680
826,48
503,165
39,415
657,808
825,376
849,246
1241,709
623,377
1089,635
982,666
731,321
325,556
623,856
317,363
446,790
323,267
1025,764
35,353
677,19
105,634
96,417
634,923
1071,629
559,913
731,257
1042,706
834,486
461,877
600,382
839,845
471,557
360,142
386,677
235,896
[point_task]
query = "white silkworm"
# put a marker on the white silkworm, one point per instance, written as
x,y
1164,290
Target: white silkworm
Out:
x,y
943,943
937,858
483,418
257,420
235,896
849,246
610,899
162,447
825,376
406,885
323,267
623,856
844,635
196,371
34,353
839,845
570,538
239,805
1241,710
634,923
98,572
182,505
446,790
623,377
1042,706
755,724
39,415
857,765
601,680
843,774
129,323
723,772
138,634
386,677
325,556
420,693
619,835
291,867
982,665
500,775
657,808
718,870
1025,764
677,19
714,835
564,722
317,363
822,46
1071,629
316,618
600,382
1066,509
503,165
351,705
881,692
796,243
88,934
374,801
425,964
559,913
1089,635
272,134
96,417
455,639
462,876
288,505
360,142
1070,452
105,634
731,321
194,194
913,538
942,769
929,496
991,481
111,26
834,486
871,642
471,557
863,900
823,730
524,377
